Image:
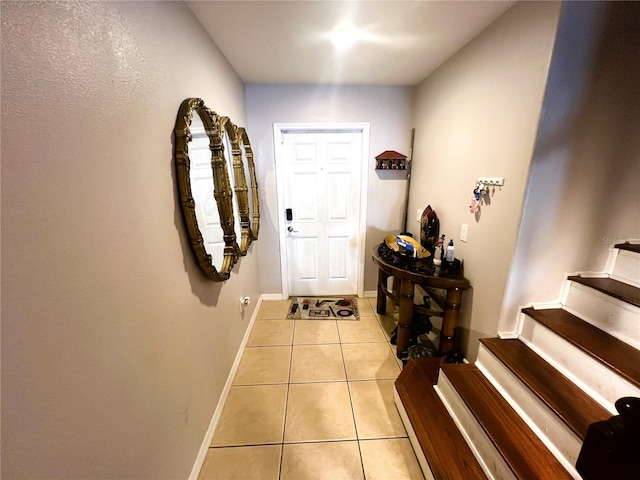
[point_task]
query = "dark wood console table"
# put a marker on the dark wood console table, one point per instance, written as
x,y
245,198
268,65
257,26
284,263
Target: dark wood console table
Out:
x,y
407,273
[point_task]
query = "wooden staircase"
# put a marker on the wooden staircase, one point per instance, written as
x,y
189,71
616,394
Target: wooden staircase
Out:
x,y
523,409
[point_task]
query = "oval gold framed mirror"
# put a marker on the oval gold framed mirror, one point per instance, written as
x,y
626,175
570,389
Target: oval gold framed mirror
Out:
x,y
237,175
250,169
204,188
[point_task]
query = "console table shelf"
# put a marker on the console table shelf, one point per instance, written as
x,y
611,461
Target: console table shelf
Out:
x,y
418,272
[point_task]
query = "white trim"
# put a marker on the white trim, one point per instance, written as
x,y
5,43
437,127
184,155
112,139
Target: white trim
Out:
x,y
611,260
616,317
548,427
364,195
370,294
545,305
486,453
627,268
564,290
595,378
364,129
507,334
206,442
272,296
413,438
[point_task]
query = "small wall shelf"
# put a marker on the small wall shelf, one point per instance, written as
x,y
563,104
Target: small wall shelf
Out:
x,y
391,160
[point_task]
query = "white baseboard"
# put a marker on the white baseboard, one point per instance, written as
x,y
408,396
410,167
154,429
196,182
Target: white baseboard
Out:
x,y
206,442
272,296
370,294
413,438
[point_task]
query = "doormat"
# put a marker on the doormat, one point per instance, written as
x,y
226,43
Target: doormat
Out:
x,y
323,308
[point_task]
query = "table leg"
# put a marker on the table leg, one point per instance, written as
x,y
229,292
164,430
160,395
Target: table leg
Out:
x,y
452,304
395,286
381,306
405,317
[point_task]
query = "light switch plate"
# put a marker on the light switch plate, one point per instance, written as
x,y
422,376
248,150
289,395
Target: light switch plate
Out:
x,y
464,231
418,215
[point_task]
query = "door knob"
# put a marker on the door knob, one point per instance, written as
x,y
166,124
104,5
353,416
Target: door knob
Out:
x,y
290,229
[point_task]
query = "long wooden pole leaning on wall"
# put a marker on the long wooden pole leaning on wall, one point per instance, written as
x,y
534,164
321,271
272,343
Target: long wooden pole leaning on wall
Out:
x,y
405,213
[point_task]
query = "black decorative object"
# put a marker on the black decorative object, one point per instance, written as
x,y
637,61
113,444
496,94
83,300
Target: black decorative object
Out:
x,y
422,266
451,269
429,229
611,448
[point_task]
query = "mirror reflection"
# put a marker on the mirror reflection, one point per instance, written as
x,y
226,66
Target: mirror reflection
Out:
x,y
201,180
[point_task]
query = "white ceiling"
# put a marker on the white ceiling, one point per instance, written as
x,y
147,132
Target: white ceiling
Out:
x,y
287,42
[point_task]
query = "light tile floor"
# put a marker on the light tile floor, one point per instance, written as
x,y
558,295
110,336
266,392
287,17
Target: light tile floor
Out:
x,y
313,399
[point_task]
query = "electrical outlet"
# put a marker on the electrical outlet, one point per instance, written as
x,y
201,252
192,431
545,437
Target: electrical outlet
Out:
x,y
244,302
464,231
418,215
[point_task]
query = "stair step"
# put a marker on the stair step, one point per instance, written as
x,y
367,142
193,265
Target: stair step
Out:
x,y
618,317
621,291
627,264
630,247
608,350
521,449
447,453
576,409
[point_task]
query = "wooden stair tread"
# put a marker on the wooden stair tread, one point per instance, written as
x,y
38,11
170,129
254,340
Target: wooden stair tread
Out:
x,y
609,286
631,247
571,404
446,450
521,449
612,352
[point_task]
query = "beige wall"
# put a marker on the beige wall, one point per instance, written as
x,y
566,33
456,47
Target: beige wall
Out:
x,y
387,109
115,347
477,115
583,194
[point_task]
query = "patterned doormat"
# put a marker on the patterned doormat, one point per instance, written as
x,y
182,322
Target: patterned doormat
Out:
x,y
323,308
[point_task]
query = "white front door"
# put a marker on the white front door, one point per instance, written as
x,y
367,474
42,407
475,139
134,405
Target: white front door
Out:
x,y
321,185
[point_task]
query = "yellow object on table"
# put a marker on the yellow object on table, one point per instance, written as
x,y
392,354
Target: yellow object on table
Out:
x,y
406,245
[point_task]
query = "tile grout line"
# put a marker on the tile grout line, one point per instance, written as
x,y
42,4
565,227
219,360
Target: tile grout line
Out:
x,y
286,400
388,341
288,384
353,413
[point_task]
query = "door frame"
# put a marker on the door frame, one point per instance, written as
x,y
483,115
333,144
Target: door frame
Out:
x,y
279,129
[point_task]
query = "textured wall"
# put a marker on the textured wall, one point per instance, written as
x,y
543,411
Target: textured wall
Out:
x,y
477,115
387,109
115,347
583,194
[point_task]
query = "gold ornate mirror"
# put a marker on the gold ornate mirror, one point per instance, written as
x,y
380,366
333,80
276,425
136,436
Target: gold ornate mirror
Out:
x,y
236,167
250,170
243,171
205,189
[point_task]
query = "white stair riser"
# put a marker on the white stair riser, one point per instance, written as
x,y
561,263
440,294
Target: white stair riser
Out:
x,y
415,443
614,316
601,383
554,433
481,445
627,268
